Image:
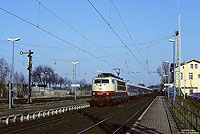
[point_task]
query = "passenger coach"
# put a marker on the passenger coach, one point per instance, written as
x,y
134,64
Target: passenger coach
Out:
x,y
137,90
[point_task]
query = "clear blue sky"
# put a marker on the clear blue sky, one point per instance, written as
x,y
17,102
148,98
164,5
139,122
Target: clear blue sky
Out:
x,y
146,21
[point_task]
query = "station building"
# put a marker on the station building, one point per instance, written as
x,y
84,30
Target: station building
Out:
x,y
189,77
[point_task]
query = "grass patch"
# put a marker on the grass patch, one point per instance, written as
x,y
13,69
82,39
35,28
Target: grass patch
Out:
x,y
188,120
189,103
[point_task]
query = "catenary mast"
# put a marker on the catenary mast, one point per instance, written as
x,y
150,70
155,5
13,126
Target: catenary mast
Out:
x,y
178,52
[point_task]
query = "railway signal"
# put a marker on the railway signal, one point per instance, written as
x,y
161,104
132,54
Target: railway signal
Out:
x,y
30,69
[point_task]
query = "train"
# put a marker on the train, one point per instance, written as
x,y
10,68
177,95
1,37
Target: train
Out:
x,y
108,89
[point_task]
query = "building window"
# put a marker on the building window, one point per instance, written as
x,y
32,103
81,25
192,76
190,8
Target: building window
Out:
x,y
181,76
191,66
199,76
190,76
196,66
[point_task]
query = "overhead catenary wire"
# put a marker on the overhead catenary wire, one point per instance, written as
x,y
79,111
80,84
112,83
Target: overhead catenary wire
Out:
x,y
11,58
125,26
138,50
47,58
23,62
84,49
16,59
38,53
152,43
75,29
112,29
55,36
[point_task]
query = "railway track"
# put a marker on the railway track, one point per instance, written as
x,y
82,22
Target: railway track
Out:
x,y
115,119
23,126
118,121
42,100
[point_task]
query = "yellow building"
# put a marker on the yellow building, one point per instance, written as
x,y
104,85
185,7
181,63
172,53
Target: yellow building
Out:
x,y
190,76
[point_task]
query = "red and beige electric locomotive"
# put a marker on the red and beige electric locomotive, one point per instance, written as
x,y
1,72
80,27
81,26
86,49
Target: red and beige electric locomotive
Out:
x,y
108,89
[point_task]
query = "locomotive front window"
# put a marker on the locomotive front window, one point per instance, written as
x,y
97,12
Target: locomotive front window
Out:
x,y
105,81
97,81
101,81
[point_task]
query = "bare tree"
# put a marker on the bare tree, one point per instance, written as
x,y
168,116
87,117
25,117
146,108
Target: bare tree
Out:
x,y
61,81
22,78
67,82
20,83
55,80
17,83
165,67
37,74
4,71
83,82
160,71
163,71
23,84
43,75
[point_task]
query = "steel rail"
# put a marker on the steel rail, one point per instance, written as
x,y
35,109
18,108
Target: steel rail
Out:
x,y
109,117
45,123
131,117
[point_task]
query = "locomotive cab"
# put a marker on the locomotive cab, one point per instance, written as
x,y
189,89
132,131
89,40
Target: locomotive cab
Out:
x,y
108,89
103,87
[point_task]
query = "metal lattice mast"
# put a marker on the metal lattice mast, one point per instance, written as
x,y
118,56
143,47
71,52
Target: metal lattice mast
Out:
x,y
178,55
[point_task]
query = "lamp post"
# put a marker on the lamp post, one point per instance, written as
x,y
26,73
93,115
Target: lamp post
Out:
x,y
167,62
184,80
168,78
165,83
171,40
12,91
74,77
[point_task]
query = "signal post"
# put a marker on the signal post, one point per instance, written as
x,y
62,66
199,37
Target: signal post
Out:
x,y
29,68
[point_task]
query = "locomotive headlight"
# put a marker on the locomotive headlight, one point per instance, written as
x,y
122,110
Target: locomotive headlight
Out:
x,y
93,93
107,93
